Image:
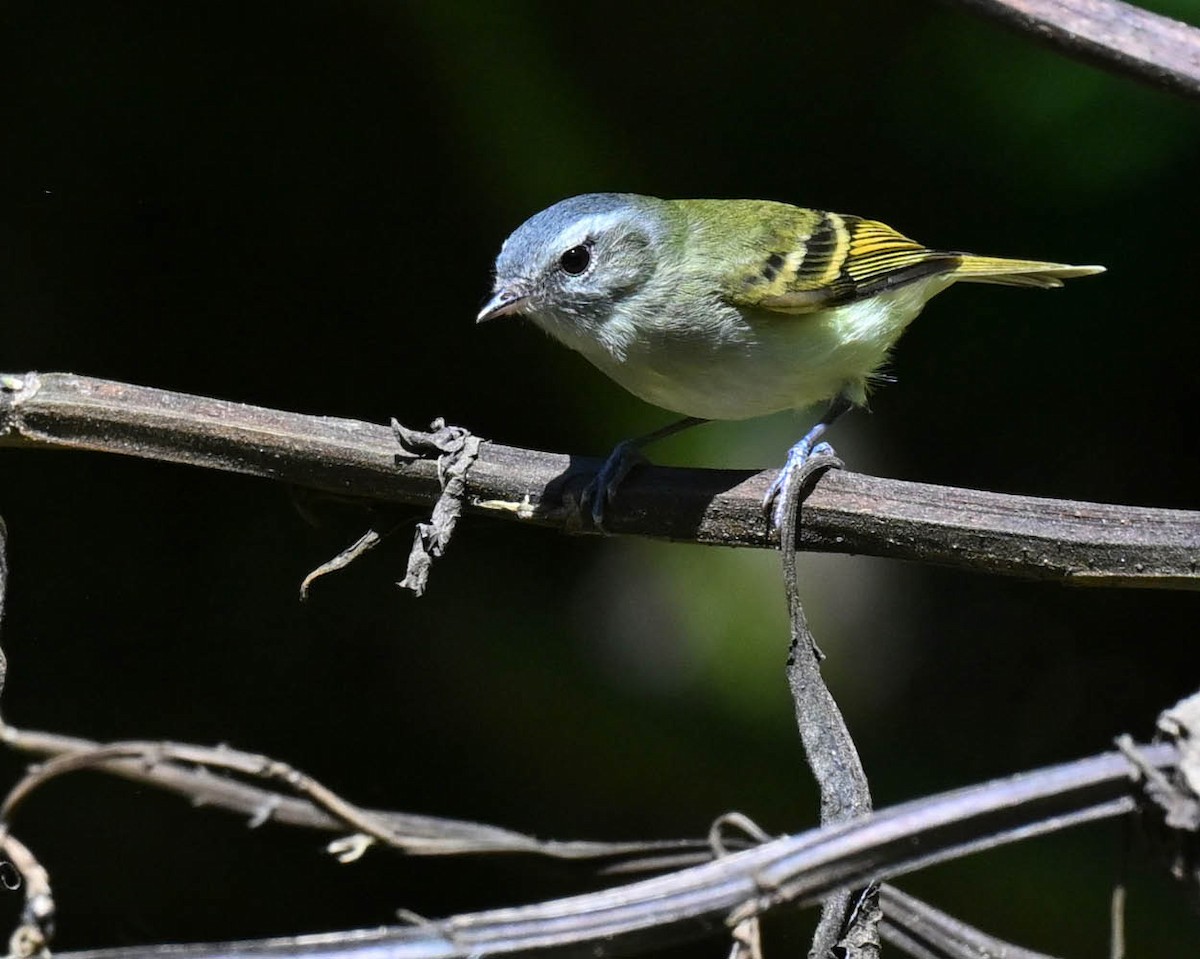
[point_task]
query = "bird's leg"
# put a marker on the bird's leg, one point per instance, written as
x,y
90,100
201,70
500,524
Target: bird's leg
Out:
x,y
625,456
775,502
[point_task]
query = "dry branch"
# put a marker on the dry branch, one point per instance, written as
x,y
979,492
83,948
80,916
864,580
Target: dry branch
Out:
x,y
918,929
696,902
1115,36
1072,542
181,769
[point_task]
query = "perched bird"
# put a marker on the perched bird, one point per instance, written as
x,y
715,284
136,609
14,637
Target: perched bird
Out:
x,y
729,309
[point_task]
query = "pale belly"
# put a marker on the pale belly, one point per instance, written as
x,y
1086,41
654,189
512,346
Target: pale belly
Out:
x,y
768,362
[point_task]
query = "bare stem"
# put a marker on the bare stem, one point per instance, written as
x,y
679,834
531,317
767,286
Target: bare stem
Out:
x,y
1062,540
1114,36
182,769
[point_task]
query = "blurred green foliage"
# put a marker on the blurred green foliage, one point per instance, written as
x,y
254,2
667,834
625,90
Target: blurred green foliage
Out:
x,y
298,206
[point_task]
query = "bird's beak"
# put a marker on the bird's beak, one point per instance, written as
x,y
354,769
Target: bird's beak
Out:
x,y
504,302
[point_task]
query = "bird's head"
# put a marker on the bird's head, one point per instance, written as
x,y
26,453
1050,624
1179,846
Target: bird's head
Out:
x,y
568,267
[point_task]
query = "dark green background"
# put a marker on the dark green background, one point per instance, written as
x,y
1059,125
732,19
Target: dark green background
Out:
x,y
297,205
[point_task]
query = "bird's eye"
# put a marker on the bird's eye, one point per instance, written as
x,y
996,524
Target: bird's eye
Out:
x,y
575,260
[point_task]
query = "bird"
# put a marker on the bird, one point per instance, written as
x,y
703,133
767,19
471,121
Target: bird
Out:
x,y
730,309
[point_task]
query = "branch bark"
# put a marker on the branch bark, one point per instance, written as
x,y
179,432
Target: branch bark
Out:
x,y
1114,36
1061,540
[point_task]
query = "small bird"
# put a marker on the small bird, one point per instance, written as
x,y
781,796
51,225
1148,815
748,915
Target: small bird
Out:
x,y
729,309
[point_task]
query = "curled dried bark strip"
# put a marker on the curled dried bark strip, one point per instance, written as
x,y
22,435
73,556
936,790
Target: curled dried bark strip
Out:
x,y
456,450
849,918
365,543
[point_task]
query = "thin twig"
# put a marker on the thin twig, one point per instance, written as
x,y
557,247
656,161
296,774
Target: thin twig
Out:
x,y
220,757
1117,37
693,903
33,933
745,936
1071,542
366,542
411,834
921,930
37,918
1116,922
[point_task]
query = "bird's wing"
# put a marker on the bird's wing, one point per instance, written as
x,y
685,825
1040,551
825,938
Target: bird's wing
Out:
x,y
808,260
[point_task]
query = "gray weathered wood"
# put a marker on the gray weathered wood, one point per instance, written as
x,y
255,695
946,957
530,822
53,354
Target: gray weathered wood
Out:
x,y
1115,36
1071,542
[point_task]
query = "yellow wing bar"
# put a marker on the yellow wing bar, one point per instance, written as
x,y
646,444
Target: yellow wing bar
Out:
x,y
816,260
841,259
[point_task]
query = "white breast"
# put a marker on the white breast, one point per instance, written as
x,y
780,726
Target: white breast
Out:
x,y
740,364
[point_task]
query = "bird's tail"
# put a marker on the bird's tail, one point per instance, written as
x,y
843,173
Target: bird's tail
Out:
x,y
994,269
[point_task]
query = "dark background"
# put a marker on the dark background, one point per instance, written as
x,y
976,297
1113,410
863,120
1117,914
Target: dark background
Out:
x,y
297,205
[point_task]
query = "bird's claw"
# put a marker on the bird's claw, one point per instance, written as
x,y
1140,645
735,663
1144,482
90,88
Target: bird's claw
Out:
x,y
801,461
603,488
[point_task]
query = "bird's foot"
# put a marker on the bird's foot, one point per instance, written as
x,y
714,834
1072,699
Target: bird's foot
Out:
x,y
803,460
603,487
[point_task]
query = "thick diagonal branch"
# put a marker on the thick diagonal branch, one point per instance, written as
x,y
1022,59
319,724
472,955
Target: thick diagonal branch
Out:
x,y
1118,37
